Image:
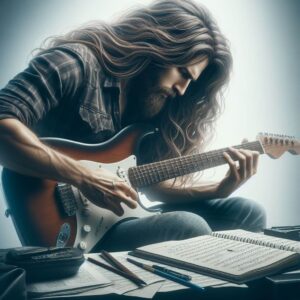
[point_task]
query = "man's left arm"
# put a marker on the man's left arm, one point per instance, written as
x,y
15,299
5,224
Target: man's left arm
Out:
x,y
239,172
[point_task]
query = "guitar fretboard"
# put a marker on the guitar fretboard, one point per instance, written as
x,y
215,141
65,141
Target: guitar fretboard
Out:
x,y
148,174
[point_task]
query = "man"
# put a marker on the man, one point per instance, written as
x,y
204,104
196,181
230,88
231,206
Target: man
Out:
x,y
165,64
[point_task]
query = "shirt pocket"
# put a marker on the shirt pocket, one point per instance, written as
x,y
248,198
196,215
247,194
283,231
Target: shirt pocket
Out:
x,y
97,120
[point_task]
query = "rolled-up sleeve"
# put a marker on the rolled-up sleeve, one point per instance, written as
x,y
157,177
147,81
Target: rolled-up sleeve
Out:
x,y
50,77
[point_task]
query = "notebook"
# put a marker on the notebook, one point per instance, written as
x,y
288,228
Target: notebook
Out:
x,y
236,255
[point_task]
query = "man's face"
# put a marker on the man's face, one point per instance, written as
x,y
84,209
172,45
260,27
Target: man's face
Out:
x,y
149,92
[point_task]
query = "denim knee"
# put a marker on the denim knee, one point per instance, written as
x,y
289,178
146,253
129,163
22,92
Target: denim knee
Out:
x,y
252,215
187,224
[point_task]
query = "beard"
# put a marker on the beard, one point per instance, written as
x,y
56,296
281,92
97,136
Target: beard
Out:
x,y
145,98
152,103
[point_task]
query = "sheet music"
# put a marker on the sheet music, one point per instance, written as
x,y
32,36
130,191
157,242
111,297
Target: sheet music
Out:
x,y
151,278
268,240
120,285
224,255
168,285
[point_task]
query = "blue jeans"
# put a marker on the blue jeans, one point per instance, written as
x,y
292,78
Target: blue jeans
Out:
x,y
181,221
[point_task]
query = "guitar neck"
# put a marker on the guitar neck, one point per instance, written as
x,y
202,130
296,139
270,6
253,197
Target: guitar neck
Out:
x,y
148,174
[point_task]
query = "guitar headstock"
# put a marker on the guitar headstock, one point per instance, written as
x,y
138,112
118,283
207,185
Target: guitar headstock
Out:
x,y
276,144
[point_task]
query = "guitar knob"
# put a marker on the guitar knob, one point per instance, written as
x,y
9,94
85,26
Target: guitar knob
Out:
x,y
86,228
82,245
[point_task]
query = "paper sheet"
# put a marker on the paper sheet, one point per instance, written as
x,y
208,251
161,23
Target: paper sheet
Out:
x,y
120,284
169,285
146,292
86,278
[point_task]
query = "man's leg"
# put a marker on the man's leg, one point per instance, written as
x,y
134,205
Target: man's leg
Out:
x,y
223,214
158,228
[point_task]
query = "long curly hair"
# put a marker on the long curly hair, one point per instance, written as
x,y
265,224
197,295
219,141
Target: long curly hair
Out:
x,y
166,33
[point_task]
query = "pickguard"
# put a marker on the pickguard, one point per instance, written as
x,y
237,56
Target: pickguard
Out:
x,y
93,222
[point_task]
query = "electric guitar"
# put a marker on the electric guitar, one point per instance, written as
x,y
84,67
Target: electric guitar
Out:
x,y
48,213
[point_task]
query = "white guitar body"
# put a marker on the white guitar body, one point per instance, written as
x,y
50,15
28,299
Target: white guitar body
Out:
x,y
93,222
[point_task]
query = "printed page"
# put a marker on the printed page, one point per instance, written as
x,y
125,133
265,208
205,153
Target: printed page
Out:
x,y
168,285
232,257
86,278
269,241
122,285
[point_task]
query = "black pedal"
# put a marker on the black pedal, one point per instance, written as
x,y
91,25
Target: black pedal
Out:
x,y
286,232
46,263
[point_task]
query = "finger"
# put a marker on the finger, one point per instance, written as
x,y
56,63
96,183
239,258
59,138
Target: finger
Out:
x,y
128,190
127,200
232,166
114,205
249,162
255,161
242,162
124,193
119,189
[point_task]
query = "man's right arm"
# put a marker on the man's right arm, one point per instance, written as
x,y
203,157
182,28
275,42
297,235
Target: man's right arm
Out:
x,y
50,78
23,152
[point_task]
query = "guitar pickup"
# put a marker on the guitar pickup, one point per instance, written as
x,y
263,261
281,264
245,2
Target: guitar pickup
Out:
x,y
66,199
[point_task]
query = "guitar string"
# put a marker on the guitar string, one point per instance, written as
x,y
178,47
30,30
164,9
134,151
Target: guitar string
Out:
x,y
185,167
159,171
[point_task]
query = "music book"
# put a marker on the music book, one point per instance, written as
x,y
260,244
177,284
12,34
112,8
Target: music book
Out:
x,y
235,255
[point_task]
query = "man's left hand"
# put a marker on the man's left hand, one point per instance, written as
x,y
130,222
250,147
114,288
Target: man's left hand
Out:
x,y
239,173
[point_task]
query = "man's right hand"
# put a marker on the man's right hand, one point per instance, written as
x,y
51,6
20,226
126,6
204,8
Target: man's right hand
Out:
x,y
107,190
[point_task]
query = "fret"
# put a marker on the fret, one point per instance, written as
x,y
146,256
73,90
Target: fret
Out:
x,y
160,172
168,171
205,160
153,173
164,171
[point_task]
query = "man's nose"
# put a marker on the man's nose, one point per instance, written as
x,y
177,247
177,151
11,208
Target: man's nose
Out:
x,y
181,86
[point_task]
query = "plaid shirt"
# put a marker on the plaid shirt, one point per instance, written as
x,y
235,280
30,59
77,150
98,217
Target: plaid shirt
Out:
x,y
64,93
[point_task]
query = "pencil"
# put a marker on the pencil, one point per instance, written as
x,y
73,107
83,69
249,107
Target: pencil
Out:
x,y
166,275
166,270
113,261
116,271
